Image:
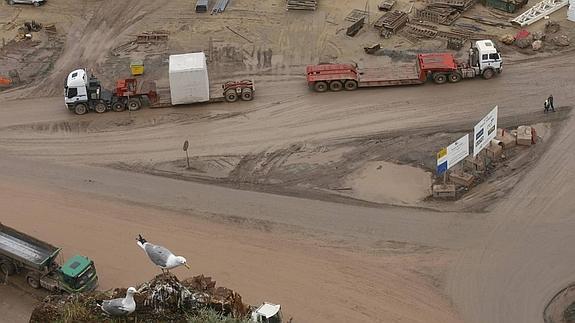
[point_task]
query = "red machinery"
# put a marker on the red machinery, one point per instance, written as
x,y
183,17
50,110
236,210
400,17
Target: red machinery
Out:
x,y
335,77
127,94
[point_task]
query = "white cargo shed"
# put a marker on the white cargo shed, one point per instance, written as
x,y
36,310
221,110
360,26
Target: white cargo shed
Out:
x,y
189,81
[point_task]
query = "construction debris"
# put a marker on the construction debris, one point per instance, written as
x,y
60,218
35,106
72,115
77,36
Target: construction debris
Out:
x,y
32,26
355,27
524,42
220,6
510,6
537,45
390,22
386,5
355,15
524,136
152,37
372,49
538,35
164,298
538,11
561,40
439,14
444,191
301,4
552,27
507,39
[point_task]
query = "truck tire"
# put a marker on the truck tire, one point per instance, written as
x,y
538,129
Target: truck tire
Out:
x,y
247,95
80,109
134,104
7,269
454,77
231,95
11,2
33,281
118,106
335,86
350,85
320,86
36,4
439,78
100,107
488,73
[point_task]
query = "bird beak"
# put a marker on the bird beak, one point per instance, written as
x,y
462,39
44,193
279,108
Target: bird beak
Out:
x,y
187,266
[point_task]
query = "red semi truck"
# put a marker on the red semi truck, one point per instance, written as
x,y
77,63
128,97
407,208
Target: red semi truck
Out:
x,y
484,60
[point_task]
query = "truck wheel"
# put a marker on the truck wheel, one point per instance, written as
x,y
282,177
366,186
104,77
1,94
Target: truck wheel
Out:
x,y
231,95
134,104
350,85
439,78
118,106
11,2
247,95
80,109
335,86
36,4
7,268
488,73
33,281
320,86
100,107
454,77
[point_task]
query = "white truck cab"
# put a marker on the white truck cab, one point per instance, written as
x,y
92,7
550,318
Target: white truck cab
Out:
x,y
267,313
76,88
485,59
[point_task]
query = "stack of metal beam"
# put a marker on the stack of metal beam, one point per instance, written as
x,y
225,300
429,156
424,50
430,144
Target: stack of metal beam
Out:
x,y
302,4
220,6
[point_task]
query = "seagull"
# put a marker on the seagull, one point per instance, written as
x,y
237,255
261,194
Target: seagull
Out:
x,y
119,306
161,256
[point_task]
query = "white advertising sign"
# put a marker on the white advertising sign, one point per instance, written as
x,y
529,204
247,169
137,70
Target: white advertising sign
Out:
x,y
453,154
484,131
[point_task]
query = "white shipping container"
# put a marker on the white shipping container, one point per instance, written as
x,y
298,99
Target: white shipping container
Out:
x,y
189,81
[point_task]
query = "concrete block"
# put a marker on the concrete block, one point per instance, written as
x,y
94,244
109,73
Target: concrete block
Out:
x,y
462,179
494,151
474,164
444,191
506,138
524,136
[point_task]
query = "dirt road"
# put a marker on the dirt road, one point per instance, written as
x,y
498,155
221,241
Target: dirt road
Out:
x,y
323,257
363,263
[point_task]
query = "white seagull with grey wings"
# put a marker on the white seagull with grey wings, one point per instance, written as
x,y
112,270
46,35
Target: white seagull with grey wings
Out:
x,y
119,306
161,256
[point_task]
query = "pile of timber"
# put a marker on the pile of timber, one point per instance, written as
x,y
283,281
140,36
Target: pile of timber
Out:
x,y
301,4
444,12
391,22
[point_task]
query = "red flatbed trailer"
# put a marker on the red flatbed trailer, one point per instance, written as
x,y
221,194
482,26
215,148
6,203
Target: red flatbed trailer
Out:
x,y
346,76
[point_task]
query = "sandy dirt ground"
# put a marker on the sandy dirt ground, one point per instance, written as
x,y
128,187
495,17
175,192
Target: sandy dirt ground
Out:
x,y
282,201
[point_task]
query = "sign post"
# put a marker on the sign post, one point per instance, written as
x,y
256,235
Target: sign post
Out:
x,y
186,145
453,154
484,131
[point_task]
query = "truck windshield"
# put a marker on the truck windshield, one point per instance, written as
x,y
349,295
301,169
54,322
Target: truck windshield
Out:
x,y
84,278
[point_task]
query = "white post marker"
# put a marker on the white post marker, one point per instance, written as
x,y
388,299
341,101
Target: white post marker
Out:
x,y
484,131
453,154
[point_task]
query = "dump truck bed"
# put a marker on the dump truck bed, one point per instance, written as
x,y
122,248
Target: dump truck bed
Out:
x,y
395,74
23,248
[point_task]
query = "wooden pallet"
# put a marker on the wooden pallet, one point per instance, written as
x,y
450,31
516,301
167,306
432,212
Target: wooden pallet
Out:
x,y
439,14
301,4
355,15
392,20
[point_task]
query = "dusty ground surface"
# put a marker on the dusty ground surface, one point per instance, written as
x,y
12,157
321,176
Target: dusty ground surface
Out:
x,y
292,219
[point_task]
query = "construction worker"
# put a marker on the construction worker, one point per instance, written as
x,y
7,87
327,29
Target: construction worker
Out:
x,y
550,103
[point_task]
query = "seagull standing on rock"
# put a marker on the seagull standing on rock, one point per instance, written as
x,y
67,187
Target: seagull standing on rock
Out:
x,y
161,256
119,306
